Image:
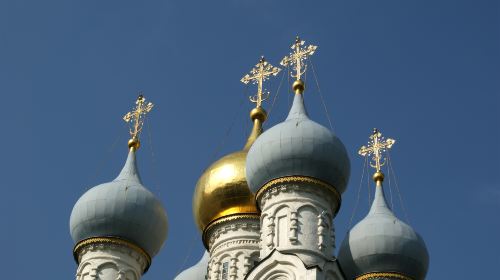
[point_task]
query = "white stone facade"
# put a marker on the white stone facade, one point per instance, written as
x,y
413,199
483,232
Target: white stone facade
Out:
x,y
234,248
105,261
297,233
278,266
298,218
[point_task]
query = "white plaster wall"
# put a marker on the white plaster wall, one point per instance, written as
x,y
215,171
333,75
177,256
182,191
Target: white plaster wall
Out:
x,y
236,243
298,219
110,262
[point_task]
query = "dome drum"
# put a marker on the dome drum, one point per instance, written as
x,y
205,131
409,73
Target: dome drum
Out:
x,y
84,244
301,181
207,233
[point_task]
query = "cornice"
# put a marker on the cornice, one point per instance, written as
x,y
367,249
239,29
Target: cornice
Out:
x,y
113,241
208,232
280,182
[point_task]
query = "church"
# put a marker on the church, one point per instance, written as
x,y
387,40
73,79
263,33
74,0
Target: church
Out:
x,y
265,212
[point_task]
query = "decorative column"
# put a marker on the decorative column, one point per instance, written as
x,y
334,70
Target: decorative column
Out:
x,y
233,244
110,259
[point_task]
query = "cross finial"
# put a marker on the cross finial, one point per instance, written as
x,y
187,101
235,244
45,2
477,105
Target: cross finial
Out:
x,y
298,56
258,75
376,146
136,119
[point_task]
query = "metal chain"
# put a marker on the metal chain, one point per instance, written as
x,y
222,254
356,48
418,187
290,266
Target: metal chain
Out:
x,y
277,92
105,158
321,96
153,160
229,129
359,193
397,188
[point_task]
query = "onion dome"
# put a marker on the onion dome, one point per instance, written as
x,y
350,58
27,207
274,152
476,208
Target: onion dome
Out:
x,y
122,211
222,190
298,147
122,208
197,271
381,244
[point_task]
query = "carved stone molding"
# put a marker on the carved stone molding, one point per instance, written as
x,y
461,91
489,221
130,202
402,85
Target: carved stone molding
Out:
x,y
216,231
232,243
306,184
112,243
323,225
115,261
294,226
298,219
322,193
270,232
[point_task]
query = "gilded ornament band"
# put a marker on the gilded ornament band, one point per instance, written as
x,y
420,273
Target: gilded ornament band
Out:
x,y
378,275
299,179
113,241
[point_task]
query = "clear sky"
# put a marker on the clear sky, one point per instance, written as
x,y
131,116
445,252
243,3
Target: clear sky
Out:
x,y
427,73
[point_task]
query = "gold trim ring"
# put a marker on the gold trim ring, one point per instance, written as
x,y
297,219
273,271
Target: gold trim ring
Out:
x,y
299,179
377,275
114,241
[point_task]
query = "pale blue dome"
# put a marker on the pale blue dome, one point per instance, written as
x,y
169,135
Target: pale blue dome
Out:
x,y
298,147
122,208
197,271
382,243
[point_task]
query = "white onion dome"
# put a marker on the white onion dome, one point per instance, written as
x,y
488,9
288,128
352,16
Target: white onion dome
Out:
x,y
197,271
382,244
298,147
122,209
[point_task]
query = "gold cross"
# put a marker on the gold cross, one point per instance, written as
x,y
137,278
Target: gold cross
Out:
x,y
376,146
258,75
298,56
137,115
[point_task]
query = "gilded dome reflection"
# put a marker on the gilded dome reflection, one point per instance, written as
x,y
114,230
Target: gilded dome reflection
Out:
x,y
222,189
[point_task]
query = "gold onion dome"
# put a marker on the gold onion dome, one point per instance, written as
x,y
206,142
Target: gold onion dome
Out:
x,y
222,189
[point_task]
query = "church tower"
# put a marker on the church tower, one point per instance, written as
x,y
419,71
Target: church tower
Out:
x,y
381,247
298,170
118,227
224,207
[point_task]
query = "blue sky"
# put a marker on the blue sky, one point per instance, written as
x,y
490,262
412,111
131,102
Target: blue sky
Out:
x,y
427,73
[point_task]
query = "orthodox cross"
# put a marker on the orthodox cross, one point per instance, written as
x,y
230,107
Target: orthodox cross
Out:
x,y
258,75
137,115
298,56
376,146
